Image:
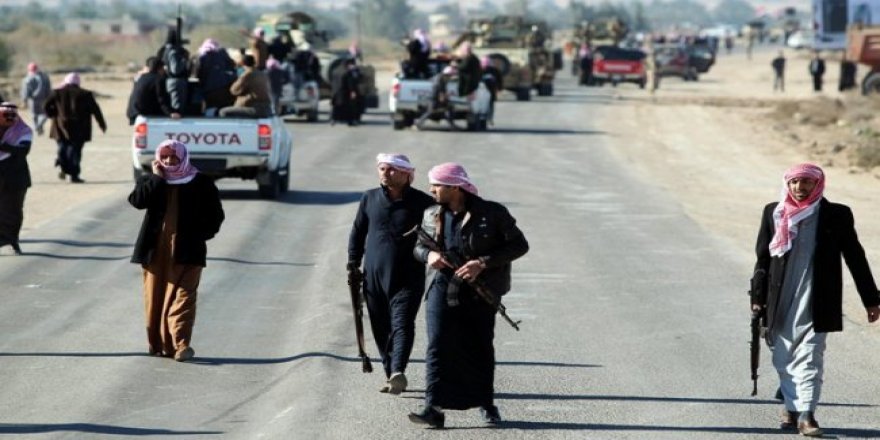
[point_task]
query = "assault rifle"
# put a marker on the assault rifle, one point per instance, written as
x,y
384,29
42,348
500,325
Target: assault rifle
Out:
x,y
456,260
355,279
757,289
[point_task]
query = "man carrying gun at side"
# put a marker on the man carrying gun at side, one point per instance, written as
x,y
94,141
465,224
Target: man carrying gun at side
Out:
x,y
798,286
393,281
460,359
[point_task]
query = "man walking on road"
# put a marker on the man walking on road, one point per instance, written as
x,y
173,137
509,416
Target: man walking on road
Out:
x,y
817,70
798,285
35,88
71,109
778,65
394,282
460,359
183,211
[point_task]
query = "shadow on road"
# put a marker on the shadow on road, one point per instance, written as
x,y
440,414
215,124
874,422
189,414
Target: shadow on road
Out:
x,y
721,400
543,131
25,253
570,426
296,197
82,244
259,263
40,428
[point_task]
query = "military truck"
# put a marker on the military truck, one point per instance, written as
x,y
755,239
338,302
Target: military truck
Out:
x,y
519,49
302,28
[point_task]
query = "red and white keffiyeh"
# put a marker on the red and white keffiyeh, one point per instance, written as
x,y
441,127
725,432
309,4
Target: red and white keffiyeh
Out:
x,y
184,171
16,134
790,212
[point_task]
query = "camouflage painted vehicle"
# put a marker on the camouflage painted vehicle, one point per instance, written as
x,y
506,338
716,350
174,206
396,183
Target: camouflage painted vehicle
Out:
x,y
301,28
519,50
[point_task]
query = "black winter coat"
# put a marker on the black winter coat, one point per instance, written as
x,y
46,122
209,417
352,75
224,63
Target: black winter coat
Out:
x,y
835,238
488,233
199,217
148,97
72,109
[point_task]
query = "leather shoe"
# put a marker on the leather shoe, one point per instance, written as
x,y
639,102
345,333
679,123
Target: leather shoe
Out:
x,y
810,428
490,415
428,416
788,420
76,179
15,247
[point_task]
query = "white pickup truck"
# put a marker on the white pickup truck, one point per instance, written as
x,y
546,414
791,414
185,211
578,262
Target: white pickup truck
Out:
x,y
256,149
305,103
409,99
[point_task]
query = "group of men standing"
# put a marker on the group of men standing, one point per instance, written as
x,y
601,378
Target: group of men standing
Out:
x,y
484,240
816,69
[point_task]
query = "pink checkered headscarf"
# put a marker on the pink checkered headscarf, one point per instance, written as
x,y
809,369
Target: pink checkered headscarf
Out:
x,y
72,78
182,172
790,212
451,174
18,134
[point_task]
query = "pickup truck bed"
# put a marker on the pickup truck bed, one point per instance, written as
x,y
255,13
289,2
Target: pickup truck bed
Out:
x,y
410,98
255,149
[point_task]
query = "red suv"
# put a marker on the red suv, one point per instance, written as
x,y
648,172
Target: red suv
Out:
x,y
616,65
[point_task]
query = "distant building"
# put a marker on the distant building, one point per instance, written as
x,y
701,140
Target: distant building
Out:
x,y
100,26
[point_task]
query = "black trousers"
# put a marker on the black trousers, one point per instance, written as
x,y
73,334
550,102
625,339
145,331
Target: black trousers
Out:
x,y
11,213
817,83
392,319
69,157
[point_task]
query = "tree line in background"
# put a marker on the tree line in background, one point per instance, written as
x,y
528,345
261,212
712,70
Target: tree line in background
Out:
x,y
389,19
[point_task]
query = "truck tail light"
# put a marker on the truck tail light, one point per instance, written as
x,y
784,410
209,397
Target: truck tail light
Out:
x,y
311,92
395,89
140,136
265,134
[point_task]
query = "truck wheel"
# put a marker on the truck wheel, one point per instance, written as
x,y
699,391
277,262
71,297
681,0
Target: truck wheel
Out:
x,y
312,116
523,94
473,122
284,181
642,84
871,84
272,188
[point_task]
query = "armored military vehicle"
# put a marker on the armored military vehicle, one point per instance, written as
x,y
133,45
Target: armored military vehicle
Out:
x,y
519,49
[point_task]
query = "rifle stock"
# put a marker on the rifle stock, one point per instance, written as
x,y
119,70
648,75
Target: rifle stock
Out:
x,y
479,286
355,280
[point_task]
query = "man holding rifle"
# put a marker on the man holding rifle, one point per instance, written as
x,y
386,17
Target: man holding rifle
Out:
x,y
393,281
479,240
798,287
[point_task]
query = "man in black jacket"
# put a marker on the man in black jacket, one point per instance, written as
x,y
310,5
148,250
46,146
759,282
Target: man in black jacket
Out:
x,y
183,211
394,281
798,285
71,109
460,359
146,95
817,70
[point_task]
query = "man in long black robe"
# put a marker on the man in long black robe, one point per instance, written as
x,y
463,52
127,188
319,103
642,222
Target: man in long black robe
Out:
x,y
460,360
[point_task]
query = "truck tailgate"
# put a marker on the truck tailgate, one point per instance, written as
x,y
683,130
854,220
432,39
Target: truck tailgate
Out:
x,y
206,135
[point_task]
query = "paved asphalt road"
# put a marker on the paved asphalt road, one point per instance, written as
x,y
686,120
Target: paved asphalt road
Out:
x,y
635,322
